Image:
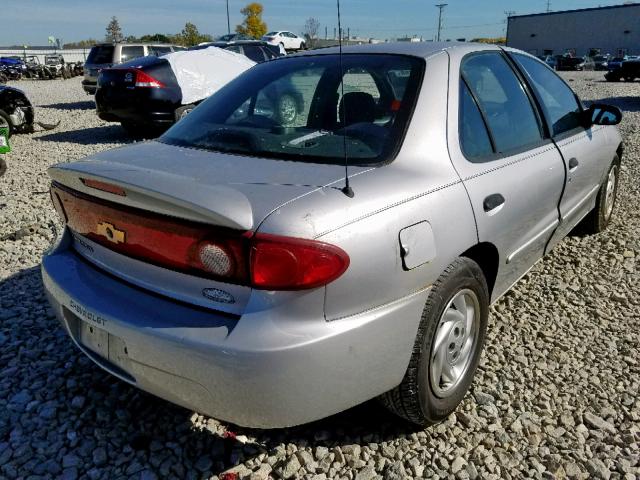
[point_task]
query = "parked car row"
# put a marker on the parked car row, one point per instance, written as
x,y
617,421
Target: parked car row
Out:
x,y
149,94
54,66
628,69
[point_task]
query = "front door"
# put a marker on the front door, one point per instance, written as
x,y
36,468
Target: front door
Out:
x,y
584,150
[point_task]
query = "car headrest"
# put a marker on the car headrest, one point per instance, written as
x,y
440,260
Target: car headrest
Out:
x,y
359,106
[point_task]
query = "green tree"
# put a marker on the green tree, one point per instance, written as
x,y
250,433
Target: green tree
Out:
x,y
156,37
252,24
114,32
190,36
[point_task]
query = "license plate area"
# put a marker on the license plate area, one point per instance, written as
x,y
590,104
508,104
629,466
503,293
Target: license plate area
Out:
x,y
108,350
94,338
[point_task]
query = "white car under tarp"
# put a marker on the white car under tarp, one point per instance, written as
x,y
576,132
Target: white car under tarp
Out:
x,y
200,73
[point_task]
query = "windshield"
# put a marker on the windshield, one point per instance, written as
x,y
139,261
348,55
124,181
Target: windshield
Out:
x,y
293,109
51,60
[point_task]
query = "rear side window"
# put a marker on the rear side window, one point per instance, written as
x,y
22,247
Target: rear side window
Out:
x,y
503,101
254,53
129,53
101,54
558,100
158,50
474,137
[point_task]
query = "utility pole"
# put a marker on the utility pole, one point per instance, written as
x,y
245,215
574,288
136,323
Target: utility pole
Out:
x,y
548,6
440,7
508,13
228,21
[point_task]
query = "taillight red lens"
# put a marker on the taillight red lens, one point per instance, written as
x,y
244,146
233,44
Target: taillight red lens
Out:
x,y
263,261
284,263
144,80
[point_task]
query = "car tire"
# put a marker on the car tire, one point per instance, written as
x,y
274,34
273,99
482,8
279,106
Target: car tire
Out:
x,y
303,46
457,339
5,121
183,111
598,219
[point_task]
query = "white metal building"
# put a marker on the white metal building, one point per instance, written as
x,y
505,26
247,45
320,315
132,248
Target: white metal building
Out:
x,y
588,31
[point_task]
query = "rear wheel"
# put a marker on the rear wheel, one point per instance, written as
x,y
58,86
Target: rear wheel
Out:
x,y
287,110
598,219
5,122
183,111
447,347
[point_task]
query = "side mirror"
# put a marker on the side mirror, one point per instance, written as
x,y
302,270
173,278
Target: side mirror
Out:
x,y
602,114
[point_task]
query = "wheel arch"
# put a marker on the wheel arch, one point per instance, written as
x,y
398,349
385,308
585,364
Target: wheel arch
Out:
x,y
486,255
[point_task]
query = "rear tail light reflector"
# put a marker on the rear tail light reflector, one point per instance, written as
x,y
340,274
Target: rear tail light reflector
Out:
x,y
262,261
144,80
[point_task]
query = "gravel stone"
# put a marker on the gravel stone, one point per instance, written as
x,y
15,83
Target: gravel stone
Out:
x,y
555,393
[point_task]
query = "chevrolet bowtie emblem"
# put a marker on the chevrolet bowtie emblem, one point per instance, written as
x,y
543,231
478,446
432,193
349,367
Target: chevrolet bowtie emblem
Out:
x,y
110,232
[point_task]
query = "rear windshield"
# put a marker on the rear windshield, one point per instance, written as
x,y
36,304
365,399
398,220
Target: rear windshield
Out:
x,y
293,109
101,54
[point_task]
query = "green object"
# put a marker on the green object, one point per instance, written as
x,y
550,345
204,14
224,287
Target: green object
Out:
x,y
4,140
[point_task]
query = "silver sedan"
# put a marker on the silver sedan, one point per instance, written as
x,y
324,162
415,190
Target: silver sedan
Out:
x,y
270,269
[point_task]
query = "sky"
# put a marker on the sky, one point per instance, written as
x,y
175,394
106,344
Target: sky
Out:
x,y
31,22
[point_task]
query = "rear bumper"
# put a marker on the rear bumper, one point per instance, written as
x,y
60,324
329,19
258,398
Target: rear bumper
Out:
x,y
260,370
139,107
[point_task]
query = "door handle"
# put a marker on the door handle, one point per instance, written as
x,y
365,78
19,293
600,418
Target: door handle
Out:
x,y
573,164
493,202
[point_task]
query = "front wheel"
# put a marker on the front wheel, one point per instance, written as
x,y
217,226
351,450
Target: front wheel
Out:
x,y
303,46
447,348
598,219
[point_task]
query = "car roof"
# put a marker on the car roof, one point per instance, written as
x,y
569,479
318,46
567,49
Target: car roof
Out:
x,y
238,42
415,49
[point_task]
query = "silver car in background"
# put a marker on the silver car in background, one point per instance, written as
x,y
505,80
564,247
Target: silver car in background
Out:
x,y
229,268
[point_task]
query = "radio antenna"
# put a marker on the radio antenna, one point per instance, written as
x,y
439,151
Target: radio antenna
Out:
x,y
347,190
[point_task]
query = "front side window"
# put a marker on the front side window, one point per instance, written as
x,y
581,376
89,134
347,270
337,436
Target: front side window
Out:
x,y
558,100
293,109
504,103
129,53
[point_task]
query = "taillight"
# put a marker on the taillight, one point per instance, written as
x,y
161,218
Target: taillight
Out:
x,y
285,263
144,80
263,261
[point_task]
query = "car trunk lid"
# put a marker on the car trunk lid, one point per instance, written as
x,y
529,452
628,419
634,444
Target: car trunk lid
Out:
x,y
222,191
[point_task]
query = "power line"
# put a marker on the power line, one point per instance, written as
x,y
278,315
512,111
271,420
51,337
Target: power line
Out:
x,y
548,6
440,8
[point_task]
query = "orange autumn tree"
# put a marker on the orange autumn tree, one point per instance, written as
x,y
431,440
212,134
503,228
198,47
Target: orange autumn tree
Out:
x,y
252,24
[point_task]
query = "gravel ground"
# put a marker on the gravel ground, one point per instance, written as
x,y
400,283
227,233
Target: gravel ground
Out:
x,y
557,393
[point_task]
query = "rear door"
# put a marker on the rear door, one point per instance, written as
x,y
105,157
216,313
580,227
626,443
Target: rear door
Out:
x,y
512,171
584,150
